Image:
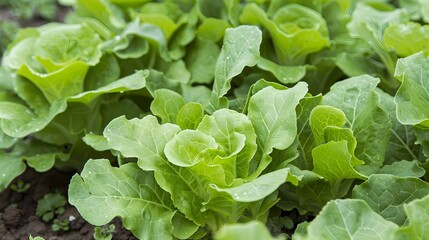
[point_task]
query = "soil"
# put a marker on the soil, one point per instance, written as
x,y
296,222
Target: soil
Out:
x,y
17,211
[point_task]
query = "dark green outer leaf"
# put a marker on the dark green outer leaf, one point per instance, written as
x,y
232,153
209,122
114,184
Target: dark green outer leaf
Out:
x,y
387,194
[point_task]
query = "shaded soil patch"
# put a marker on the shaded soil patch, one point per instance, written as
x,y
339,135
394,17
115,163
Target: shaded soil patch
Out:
x,y
17,211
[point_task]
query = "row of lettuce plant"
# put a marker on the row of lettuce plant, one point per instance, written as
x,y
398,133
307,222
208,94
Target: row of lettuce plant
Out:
x,y
230,119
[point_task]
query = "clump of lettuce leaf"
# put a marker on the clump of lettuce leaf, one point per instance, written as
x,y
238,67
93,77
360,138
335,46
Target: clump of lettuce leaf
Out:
x,y
209,119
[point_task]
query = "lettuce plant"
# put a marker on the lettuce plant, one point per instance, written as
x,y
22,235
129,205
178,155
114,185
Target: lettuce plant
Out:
x,y
209,119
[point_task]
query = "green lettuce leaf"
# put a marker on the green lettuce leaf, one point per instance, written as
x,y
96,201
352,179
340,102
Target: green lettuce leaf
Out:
x,y
323,116
67,43
101,10
131,82
412,97
251,231
240,49
402,137
166,105
370,123
418,216
135,41
121,136
387,194
188,147
349,219
272,113
407,39
103,192
284,74
369,24
334,161
224,126
296,30
305,136
190,115
259,188
201,61
58,85
11,167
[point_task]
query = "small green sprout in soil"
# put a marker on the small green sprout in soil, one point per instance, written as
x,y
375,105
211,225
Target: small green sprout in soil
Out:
x,y
104,232
51,205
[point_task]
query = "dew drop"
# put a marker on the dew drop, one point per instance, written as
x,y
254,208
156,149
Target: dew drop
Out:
x,y
117,38
4,175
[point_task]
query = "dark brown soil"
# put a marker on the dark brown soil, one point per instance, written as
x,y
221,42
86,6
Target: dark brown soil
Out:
x,y
17,211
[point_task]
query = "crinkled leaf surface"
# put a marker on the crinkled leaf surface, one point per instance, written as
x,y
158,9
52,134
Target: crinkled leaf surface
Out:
x,y
190,115
387,194
134,41
142,138
146,139
188,147
292,39
166,105
402,137
223,125
64,43
323,116
103,192
334,161
306,140
18,120
403,168
350,219
417,212
63,83
369,123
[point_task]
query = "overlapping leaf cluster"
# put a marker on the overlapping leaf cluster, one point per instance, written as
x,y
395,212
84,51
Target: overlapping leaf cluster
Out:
x,y
216,117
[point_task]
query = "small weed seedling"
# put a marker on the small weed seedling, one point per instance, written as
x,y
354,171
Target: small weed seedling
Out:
x,y
35,238
60,225
104,232
50,205
20,186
